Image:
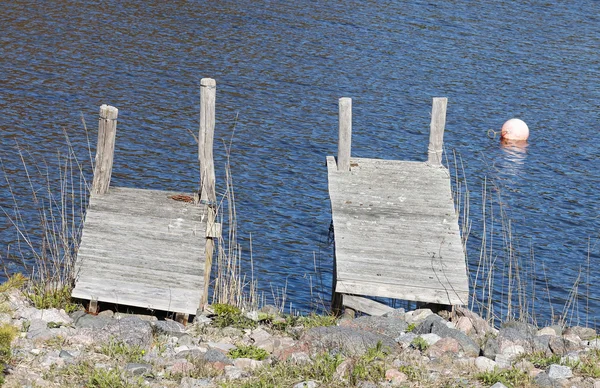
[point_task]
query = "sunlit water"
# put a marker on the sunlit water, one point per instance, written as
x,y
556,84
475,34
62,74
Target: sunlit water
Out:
x,y
280,69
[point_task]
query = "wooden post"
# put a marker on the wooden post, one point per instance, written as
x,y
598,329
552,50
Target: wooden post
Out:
x,y
345,134
436,134
208,89
107,129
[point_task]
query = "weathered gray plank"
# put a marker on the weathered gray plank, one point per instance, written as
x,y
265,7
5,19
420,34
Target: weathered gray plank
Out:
x,y
345,134
396,231
139,242
406,292
367,306
107,130
131,293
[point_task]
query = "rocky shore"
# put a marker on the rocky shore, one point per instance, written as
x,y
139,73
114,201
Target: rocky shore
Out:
x,y
226,348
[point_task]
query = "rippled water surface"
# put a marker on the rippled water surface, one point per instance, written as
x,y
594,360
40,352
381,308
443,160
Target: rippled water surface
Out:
x,y
280,68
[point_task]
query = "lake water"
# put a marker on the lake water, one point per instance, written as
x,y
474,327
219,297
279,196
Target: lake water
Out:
x,y
280,68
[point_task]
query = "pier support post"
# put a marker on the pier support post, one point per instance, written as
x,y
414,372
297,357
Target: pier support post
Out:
x,y
107,129
208,197
436,134
345,134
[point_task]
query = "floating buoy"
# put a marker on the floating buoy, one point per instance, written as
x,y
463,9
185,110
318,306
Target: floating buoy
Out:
x,y
515,130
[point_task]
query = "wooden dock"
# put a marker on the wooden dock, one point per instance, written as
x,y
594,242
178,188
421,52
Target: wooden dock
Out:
x,y
396,230
149,248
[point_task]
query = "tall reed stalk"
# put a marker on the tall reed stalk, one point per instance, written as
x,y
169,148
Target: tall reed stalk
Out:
x,y
46,244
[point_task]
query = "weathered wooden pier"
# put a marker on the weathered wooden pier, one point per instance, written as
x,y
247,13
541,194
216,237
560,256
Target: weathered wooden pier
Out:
x,y
396,230
148,248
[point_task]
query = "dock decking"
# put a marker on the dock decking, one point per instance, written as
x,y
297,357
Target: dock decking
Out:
x,y
142,248
149,248
395,227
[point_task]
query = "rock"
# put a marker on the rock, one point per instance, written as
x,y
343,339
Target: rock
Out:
x,y
233,373
213,355
202,320
306,384
426,325
143,317
83,320
563,345
186,340
543,380
443,346
390,326
419,315
516,335
252,315
169,328
498,385
527,329
181,366
395,376
468,346
541,343
38,330
480,325
585,333
188,382
594,344
132,331
491,348
430,338
547,331
343,370
189,351
513,351
503,361
66,355
558,372
221,347
464,324
247,364
299,358
260,334
106,314
137,369
396,313
347,340
47,315
484,364
406,339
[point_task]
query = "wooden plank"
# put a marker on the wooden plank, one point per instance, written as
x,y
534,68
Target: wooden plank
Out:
x,y
208,92
146,275
367,306
436,135
407,292
166,298
344,134
107,129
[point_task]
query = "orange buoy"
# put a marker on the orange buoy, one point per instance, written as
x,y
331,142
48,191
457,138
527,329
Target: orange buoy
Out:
x,y
515,129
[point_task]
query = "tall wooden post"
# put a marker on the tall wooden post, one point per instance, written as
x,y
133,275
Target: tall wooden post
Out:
x,y
208,89
345,134
436,134
107,129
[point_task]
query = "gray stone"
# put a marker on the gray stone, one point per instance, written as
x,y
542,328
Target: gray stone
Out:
x,y
468,346
543,380
541,343
106,313
188,382
213,355
83,320
594,344
585,333
558,372
233,373
259,335
484,364
299,358
306,384
406,339
38,330
430,338
426,326
388,326
138,369
185,339
346,340
527,329
202,320
132,331
47,315
396,313
169,328
498,385
65,354
491,348
563,345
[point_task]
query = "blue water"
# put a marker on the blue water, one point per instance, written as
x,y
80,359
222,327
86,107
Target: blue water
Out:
x,y
280,69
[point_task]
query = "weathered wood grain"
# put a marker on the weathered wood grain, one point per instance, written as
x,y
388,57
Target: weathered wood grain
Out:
x,y
365,305
142,248
396,232
208,90
436,134
345,134
107,129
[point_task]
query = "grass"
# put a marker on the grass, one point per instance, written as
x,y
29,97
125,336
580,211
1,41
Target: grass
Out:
x,y
512,377
74,375
122,352
420,344
248,351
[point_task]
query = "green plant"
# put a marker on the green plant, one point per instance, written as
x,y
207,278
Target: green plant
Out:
x,y
315,320
370,366
540,359
111,378
510,377
411,327
228,315
122,351
420,344
248,351
44,297
589,365
16,281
